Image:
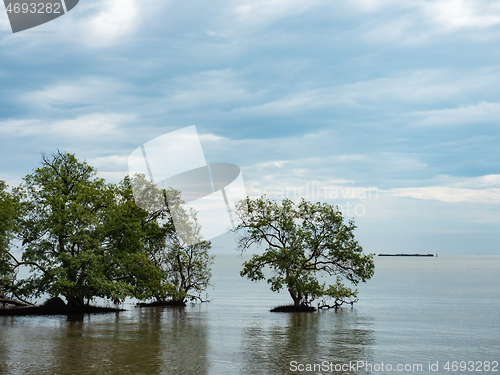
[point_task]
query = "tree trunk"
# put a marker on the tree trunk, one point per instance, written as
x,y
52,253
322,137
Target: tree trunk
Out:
x,y
296,298
75,302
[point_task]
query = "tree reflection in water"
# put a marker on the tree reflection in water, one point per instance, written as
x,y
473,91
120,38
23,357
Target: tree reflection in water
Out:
x,y
5,323
182,341
337,337
151,341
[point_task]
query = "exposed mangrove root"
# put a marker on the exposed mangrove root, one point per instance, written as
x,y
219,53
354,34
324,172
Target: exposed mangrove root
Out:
x,y
7,301
293,308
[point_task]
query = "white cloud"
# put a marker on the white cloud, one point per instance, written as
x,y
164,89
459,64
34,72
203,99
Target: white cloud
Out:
x,y
410,88
419,21
113,162
265,11
392,30
116,19
86,127
467,114
449,194
408,22
491,180
102,23
97,23
480,182
87,91
209,87
482,189
113,177
211,138
419,215
456,14
292,102
4,22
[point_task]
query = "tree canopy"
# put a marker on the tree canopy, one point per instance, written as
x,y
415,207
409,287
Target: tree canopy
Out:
x,y
302,242
182,258
64,229
83,238
8,210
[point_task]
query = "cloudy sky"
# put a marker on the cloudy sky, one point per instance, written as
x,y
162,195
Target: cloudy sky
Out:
x,y
388,108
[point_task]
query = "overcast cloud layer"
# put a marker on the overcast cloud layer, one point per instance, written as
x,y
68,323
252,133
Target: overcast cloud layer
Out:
x,y
390,109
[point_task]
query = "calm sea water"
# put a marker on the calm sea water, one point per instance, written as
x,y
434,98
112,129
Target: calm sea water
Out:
x,y
415,311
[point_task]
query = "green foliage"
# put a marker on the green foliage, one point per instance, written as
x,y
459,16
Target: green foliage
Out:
x,y
187,269
7,212
81,237
181,255
303,241
129,232
7,222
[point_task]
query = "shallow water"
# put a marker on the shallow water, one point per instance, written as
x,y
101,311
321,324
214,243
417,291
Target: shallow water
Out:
x,y
414,311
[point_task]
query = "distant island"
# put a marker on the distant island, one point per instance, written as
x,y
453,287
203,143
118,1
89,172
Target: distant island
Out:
x,y
406,255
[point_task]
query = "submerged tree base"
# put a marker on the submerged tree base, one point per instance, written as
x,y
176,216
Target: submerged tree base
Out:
x,y
293,308
162,303
56,310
